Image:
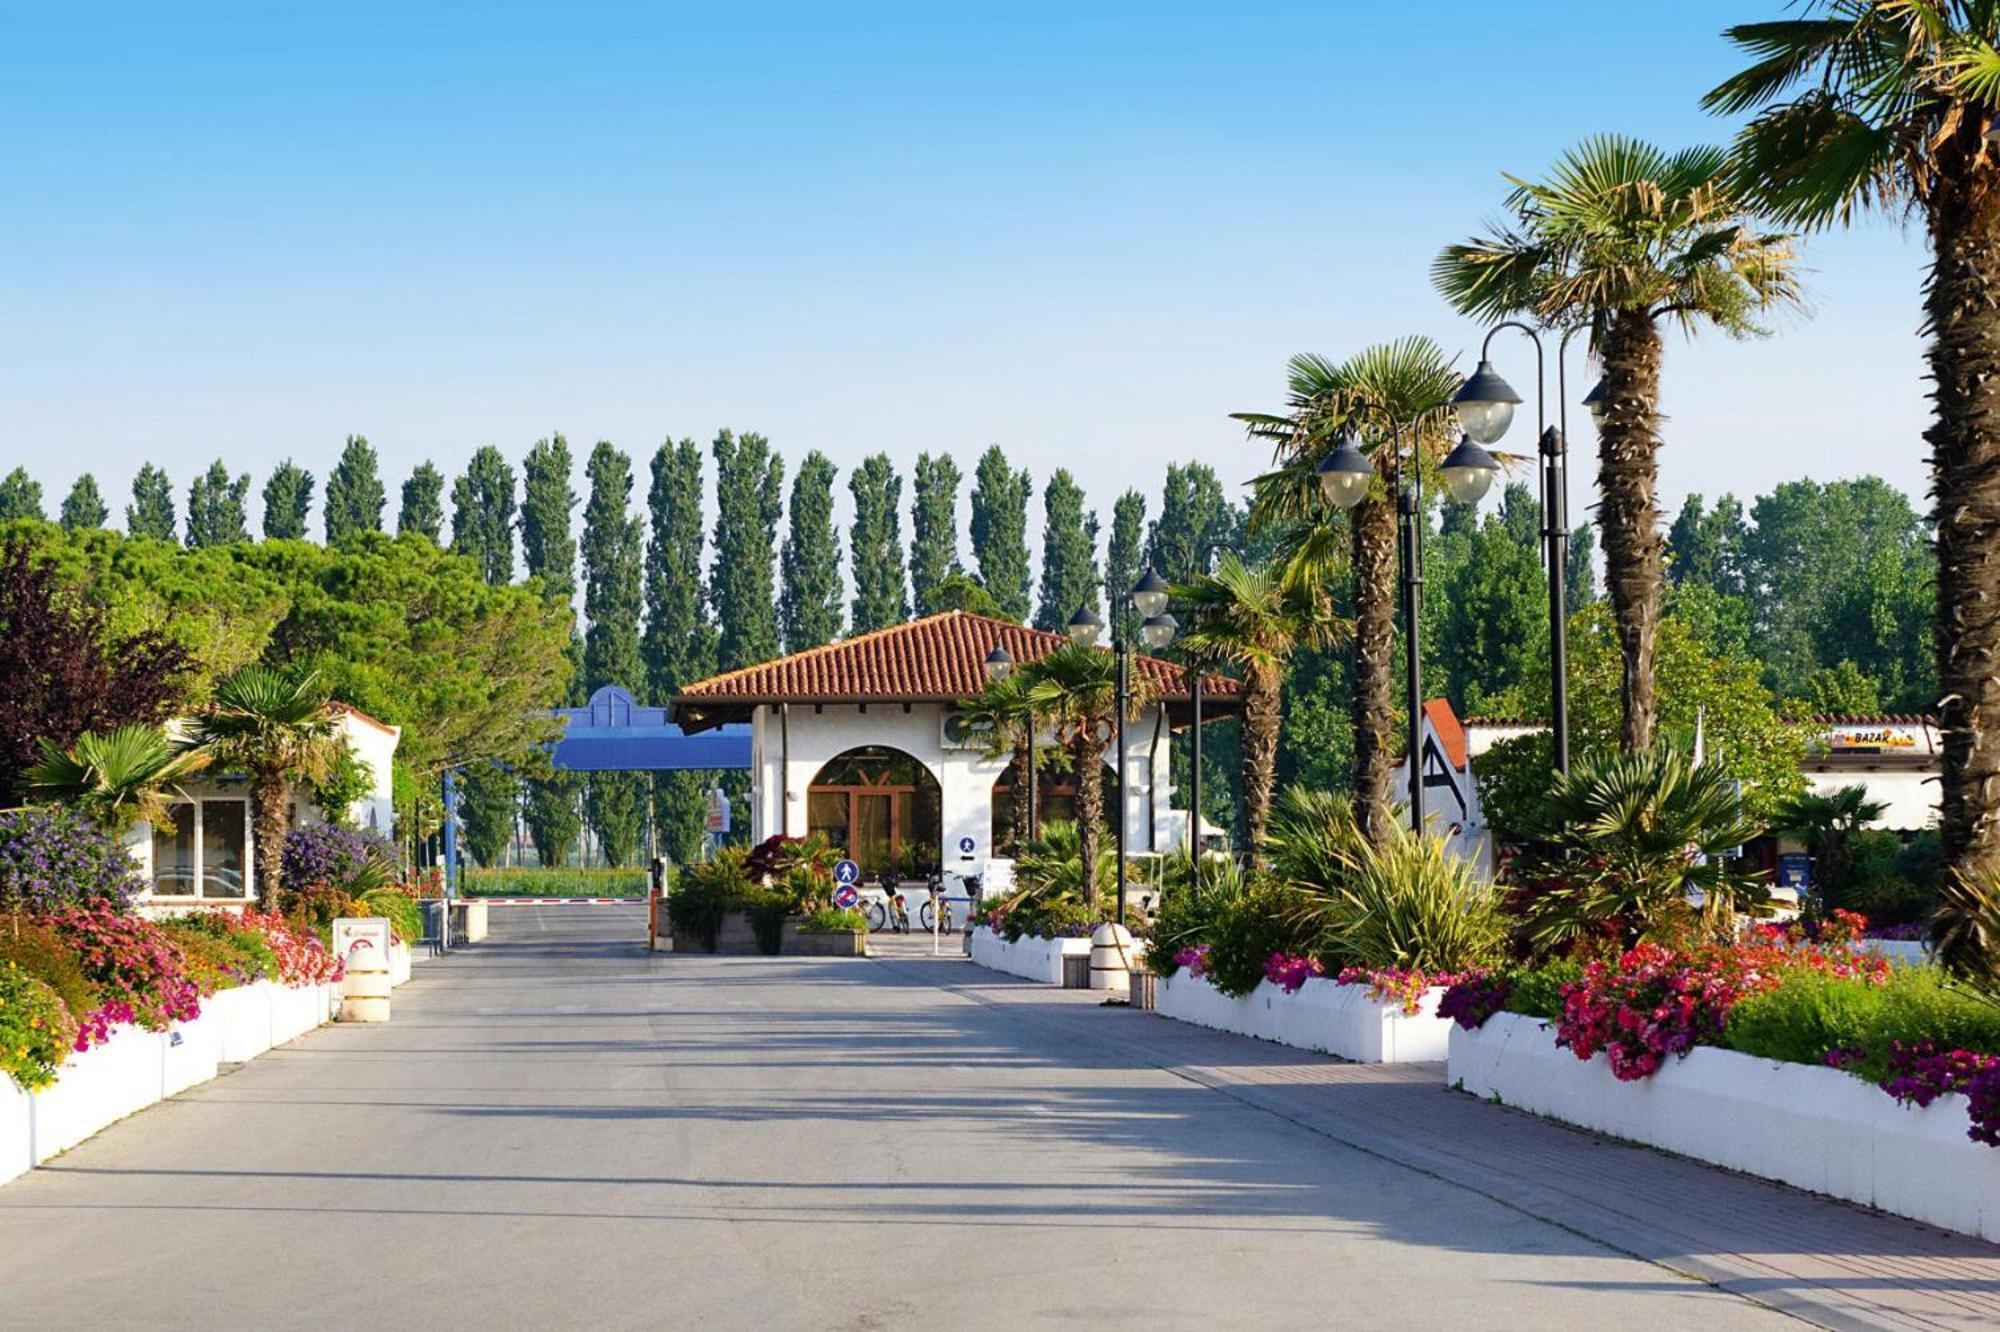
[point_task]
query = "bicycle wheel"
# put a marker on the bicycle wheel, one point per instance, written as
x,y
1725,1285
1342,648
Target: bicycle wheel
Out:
x,y
878,916
925,916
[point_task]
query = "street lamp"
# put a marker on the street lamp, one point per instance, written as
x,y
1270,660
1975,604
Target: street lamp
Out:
x,y
1149,598
1194,669
999,663
1344,477
1485,404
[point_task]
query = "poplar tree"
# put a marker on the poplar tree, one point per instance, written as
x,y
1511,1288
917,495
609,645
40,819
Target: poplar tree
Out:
x,y
20,496
1069,553
1000,531
151,512
482,515
287,502
217,513
933,529
1193,514
422,510
83,509
548,547
1123,555
354,494
749,493
612,542
876,545
809,602
680,640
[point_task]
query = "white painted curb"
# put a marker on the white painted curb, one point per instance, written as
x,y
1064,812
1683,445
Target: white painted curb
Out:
x,y
1810,1127
1027,957
1324,1016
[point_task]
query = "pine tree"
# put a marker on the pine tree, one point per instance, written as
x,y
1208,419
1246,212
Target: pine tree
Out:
x,y
151,512
548,547
933,529
482,515
354,494
422,510
84,509
749,491
20,496
611,596
287,502
1194,513
680,641
1069,553
1000,531
1122,556
875,545
218,508
809,602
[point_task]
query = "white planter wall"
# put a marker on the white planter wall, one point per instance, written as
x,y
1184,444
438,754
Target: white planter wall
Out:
x,y
1334,1019
244,1018
17,1147
1030,958
400,960
1811,1127
190,1052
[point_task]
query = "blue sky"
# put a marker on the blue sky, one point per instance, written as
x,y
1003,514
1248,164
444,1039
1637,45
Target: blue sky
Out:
x,y
1085,231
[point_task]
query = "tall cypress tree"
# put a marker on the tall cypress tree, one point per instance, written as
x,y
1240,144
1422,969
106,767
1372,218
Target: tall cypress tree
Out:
x,y
1193,513
1069,553
611,595
422,510
83,508
482,515
151,512
809,603
933,529
749,494
1000,531
288,497
217,513
548,546
1123,554
876,545
354,494
20,496
680,641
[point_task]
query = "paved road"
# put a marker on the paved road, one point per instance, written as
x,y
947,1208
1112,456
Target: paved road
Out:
x,y
558,1130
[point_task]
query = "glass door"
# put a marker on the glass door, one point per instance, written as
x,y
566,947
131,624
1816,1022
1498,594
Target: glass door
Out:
x,y
874,846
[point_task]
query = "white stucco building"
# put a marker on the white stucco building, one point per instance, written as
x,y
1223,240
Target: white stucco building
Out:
x,y
859,740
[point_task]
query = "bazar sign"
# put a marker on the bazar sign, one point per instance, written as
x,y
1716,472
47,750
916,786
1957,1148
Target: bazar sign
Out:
x,y
1870,740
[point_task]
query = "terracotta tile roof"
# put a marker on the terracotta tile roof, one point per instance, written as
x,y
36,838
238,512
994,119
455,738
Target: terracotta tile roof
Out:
x,y
1450,734
936,659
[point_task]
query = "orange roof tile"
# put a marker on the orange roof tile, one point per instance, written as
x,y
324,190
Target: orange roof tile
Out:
x,y
1450,734
939,658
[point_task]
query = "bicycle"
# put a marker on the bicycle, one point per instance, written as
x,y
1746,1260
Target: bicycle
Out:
x,y
937,910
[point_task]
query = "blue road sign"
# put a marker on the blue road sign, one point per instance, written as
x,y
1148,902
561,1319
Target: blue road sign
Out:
x,y
846,872
965,845
846,896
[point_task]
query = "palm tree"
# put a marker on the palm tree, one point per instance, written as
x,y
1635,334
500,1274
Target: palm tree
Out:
x,y
1621,239
1890,105
124,776
1827,824
1075,689
1003,717
1412,381
277,727
1254,619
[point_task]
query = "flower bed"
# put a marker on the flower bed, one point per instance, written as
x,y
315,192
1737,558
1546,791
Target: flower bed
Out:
x,y
1350,1017
1812,1127
1029,957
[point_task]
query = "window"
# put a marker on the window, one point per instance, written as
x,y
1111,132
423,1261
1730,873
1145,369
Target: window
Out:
x,y
202,849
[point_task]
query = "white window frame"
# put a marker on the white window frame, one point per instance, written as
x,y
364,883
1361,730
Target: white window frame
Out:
x,y
200,867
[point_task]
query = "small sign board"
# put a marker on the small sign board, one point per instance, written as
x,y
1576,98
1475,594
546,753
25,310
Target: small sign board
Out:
x,y
996,879
718,810
1795,871
846,873
965,846
362,939
846,896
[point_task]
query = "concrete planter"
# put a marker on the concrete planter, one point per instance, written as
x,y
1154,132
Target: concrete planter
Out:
x,y
17,1151
1334,1019
468,921
400,960
795,942
96,1088
190,1052
243,1021
1027,957
298,1009
1813,1128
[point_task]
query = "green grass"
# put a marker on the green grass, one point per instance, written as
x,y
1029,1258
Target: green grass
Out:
x,y
630,882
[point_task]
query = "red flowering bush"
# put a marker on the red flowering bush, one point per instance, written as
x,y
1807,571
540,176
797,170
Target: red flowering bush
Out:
x,y
1921,1073
130,960
301,958
1290,971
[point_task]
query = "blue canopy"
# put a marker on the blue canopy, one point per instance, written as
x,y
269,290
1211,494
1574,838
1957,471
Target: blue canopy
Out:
x,y
613,733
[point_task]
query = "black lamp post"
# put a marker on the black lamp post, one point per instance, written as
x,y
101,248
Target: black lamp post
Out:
x,y
1344,476
1149,598
1485,404
1000,665
1194,695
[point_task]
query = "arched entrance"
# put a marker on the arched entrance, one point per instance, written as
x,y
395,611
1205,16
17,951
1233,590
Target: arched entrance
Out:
x,y
882,807
1056,796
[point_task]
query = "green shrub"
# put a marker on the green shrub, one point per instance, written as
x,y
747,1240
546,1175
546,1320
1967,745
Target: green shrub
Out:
x,y
768,909
829,920
251,948
1808,1014
627,881
40,952
1412,905
1537,991
1191,899
405,916
1265,919
36,1029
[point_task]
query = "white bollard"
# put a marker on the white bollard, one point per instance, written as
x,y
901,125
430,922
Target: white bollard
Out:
x,y
1110,951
